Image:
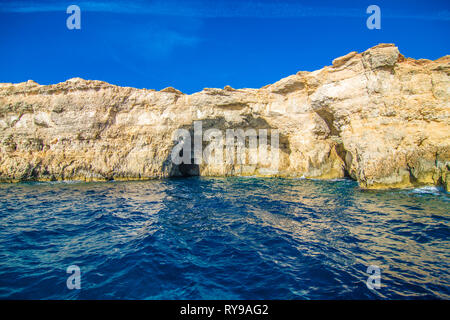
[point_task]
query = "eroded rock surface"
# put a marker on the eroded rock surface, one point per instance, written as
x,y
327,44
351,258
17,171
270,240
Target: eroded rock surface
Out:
x,y
375,116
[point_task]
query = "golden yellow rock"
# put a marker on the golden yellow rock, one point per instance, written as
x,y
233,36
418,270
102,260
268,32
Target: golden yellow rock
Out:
x,y
375,116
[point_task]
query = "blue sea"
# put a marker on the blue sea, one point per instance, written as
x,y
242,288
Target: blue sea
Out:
x,y
223,238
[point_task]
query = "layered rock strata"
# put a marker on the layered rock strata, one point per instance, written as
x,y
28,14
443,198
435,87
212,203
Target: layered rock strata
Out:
x,y
377,117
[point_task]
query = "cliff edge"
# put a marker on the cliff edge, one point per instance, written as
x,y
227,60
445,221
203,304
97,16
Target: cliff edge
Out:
x,y
377,117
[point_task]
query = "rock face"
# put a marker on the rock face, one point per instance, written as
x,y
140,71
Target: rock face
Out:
x,y
376,116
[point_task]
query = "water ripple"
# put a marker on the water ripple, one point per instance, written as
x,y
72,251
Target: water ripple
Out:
x,y
211,238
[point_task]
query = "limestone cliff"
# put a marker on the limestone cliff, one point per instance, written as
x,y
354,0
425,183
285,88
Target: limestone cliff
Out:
x,y
375,116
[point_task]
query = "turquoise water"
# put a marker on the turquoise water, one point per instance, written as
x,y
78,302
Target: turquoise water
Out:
x,y
222,238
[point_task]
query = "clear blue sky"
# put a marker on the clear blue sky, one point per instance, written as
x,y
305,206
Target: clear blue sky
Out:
x,y
191,45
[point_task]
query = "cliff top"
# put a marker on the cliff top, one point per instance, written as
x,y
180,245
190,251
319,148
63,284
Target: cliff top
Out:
x,y
381,55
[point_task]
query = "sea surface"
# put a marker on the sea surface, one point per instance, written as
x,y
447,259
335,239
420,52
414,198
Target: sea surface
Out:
x,y
223,238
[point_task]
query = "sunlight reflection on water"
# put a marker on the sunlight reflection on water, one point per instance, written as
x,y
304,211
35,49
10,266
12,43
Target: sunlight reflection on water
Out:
x,y
228,238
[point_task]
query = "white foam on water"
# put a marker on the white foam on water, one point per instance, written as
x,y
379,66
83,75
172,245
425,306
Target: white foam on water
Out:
x,y
428,190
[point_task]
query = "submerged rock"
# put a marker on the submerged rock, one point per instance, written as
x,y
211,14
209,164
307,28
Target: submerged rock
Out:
x,y
375,116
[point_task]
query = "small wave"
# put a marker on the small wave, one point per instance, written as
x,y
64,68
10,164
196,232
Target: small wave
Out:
x,y
428,190
341,180
329,180
57,182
